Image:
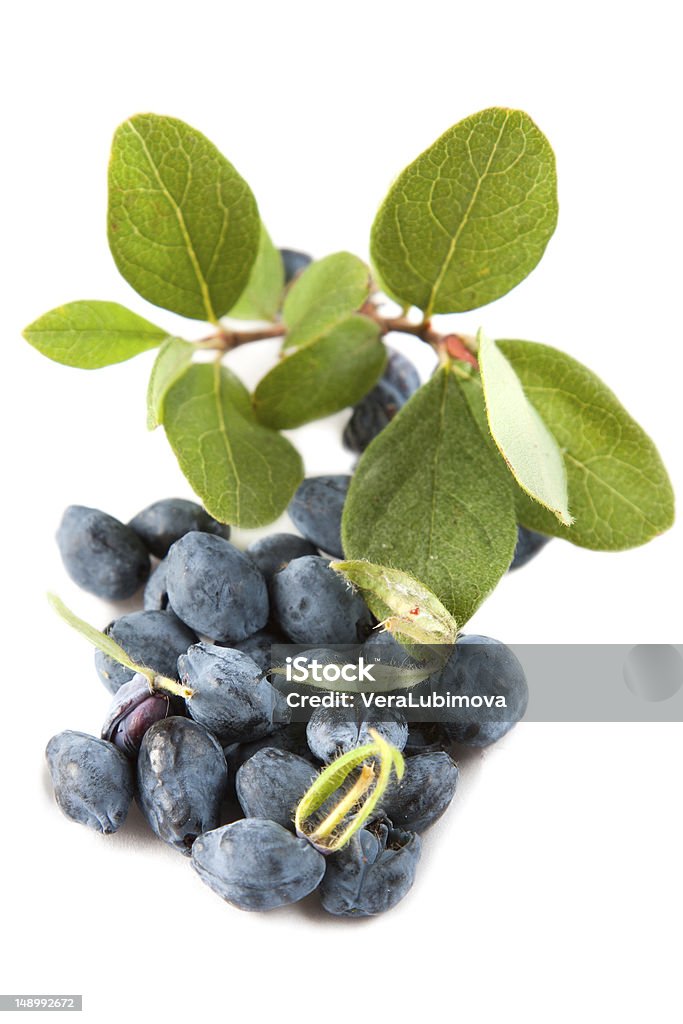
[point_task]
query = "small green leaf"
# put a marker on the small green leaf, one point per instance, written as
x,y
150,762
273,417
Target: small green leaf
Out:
x,y
92,334
184,228
619,491
325,293
174,357
414,611
433,498
322,377
471,217
244,473
260,300
529,449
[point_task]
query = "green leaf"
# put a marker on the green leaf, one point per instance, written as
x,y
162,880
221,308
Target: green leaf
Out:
x,y
261,298
471,217
325,293
433,498
184,228
244,473
408,608
174,357
92,334
529,449
619,491
322,377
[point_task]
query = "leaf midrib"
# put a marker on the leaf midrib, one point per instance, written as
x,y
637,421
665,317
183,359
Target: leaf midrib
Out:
x,y
194,260
456,237
224,433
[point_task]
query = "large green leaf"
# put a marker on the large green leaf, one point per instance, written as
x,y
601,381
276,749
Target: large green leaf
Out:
x,y
184,229
260,300
529,449
244,473
471,217
173,359
323,295
433,498
322,377
91,334
619,491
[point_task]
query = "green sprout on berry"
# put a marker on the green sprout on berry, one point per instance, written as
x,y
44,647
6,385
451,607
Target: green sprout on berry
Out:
x,y
346,793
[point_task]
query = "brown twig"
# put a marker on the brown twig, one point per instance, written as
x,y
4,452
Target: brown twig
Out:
x,y
455,346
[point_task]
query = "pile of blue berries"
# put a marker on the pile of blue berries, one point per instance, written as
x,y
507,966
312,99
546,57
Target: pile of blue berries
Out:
x,y
216,765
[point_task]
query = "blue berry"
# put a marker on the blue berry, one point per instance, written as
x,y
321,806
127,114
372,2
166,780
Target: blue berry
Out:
x,y
216,589
482,667
271,783
377,409
294,262
291,738
381,646
529,543
155,598
372,873
370,416
384,649
164,522
275,552
100,554
182,778
334,731
258,647
133,711
426,738
152,639
401,374
257,864
231,697
424,792
313,604
398,668
316,511
92,780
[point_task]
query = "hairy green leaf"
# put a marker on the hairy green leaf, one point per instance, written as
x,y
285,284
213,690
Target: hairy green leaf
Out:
x,y
471,217
244,473
619,491
173,358
92,334
408,609
323,295
529,449
183,225
260,300
323,377
433,498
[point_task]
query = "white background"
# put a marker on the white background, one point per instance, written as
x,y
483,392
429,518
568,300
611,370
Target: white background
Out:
x,y
552,889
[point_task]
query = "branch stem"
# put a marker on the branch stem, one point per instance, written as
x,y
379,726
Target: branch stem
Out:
x,y
453,345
